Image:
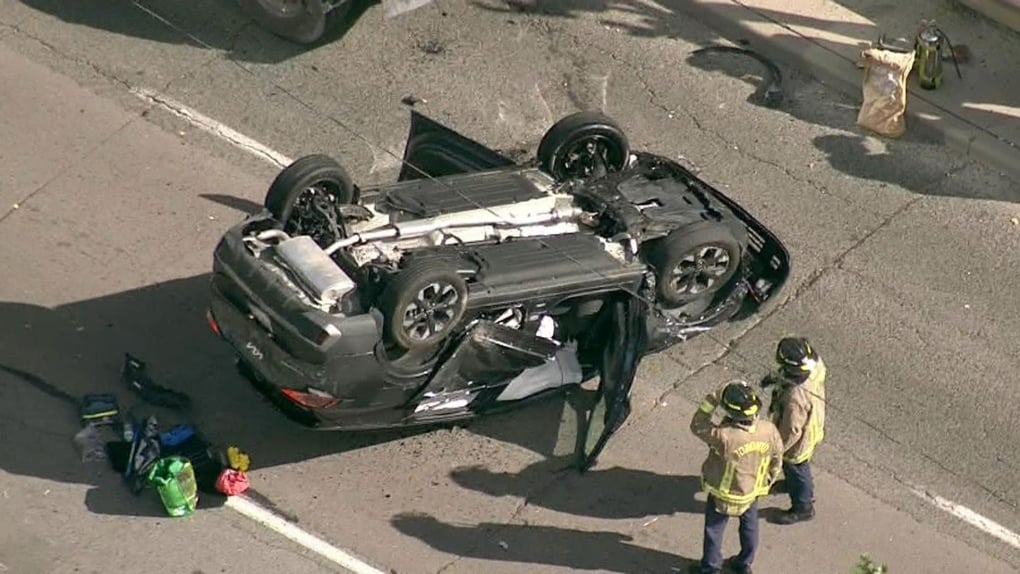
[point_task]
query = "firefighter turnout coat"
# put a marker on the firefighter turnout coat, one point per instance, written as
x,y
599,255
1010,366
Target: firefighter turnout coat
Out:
x,y
743,460
798,410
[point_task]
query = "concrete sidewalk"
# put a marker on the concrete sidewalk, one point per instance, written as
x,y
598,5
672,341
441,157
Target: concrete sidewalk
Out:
x,y
978,114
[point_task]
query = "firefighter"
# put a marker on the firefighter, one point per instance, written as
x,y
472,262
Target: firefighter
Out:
x,y
744,459
798,410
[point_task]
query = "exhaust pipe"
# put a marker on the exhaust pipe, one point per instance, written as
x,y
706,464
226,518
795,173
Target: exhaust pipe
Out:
x,y
423,227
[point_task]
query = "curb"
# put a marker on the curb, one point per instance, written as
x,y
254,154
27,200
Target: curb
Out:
x,y
840,73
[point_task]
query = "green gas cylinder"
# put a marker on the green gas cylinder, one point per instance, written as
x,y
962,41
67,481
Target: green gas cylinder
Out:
x,y
929,57
928,46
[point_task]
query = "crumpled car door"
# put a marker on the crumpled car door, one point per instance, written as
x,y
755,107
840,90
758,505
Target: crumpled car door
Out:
x,y
484,361
624,345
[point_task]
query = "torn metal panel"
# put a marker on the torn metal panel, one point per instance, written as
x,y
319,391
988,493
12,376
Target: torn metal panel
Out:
x,y
489,355
561,370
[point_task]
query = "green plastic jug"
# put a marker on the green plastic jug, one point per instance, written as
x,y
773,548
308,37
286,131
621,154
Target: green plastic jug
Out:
x,y
174,479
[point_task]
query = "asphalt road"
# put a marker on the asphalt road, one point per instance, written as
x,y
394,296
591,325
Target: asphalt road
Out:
x,y
904,276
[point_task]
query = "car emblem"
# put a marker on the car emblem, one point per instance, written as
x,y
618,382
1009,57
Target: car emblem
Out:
x,y
255,351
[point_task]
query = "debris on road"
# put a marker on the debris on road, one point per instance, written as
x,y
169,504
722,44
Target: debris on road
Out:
x,y
412,100
178,463
772,95
135,373
89,441
1014,220
885,91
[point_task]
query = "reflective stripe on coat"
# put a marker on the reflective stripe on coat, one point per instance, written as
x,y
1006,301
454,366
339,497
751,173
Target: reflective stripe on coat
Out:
x,y
798,410
743,461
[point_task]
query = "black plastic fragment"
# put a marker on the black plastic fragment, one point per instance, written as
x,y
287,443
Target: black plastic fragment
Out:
x,y
773,94
135,373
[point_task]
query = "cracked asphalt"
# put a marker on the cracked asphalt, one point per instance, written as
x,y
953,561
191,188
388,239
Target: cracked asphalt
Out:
x,y
904,276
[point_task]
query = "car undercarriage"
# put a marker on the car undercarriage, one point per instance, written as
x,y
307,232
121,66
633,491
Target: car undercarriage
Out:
x,y
442,295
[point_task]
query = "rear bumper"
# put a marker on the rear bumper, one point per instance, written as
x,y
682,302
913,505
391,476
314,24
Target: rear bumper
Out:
x,y
271,331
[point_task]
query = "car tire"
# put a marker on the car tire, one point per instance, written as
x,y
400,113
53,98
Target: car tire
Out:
x,y
694,262
563,139
305,23
432,291
318,173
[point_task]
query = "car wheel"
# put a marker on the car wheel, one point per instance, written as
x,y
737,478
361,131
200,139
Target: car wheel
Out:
x,y
422,304
694,262
583,144
300,21
305,194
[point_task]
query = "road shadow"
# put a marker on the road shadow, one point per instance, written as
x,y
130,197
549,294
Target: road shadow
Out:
x,y
546,545
611,493
245,206
219,24
51,357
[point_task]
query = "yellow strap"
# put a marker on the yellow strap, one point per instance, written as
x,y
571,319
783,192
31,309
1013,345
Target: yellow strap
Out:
x,y
706,407
100,415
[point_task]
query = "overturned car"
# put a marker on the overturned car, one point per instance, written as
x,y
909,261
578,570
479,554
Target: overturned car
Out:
x,y
475,283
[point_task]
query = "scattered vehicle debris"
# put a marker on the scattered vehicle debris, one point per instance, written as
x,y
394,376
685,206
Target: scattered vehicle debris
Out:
x,y
475,283
772,94
178,463
412,100
885,91
135,373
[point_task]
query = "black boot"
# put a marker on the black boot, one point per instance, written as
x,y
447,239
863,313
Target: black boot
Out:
x,y
793,516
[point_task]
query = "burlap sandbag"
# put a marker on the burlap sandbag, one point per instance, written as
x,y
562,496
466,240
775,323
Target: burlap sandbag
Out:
x,y
885,91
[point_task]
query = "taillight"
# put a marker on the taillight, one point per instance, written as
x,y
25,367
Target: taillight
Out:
x,y
212,323
312,398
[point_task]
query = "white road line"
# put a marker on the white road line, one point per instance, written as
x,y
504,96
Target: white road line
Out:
x,y
986,525
242,504
281,526
212,126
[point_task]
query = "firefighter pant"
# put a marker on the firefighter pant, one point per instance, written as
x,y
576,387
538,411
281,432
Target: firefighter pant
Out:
x,y
715,526
800,485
